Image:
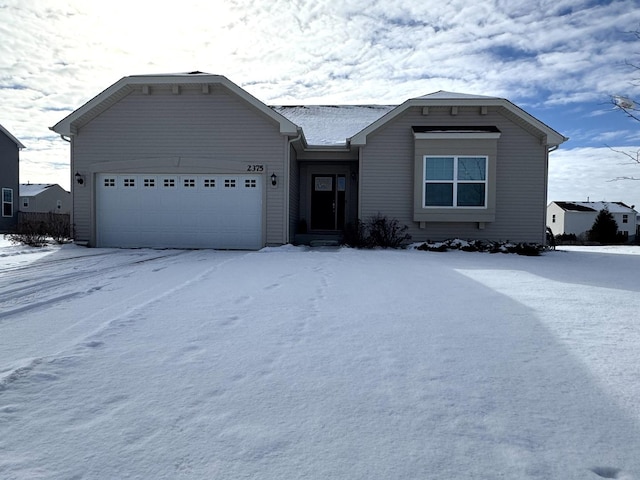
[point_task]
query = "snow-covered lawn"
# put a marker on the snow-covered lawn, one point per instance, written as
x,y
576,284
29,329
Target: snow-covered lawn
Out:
x,y
294,363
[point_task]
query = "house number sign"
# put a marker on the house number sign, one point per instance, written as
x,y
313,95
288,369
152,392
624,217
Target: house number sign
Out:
x,y
255,168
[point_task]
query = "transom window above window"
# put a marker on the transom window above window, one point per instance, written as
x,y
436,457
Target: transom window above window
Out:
x,y
455,181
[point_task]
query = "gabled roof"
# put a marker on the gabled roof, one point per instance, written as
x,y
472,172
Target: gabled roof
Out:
x,y
33,189
613,207
12,138
452,99
68,125
442,94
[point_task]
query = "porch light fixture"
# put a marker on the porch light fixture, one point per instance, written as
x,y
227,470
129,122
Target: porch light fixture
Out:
x,y
274,179
79,179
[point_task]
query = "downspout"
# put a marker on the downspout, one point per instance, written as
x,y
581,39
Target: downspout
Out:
x,y
71,185
287,190
553,148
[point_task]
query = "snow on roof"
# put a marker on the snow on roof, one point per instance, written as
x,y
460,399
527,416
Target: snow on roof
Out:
x,y
33,189
332,124
444,95
613,207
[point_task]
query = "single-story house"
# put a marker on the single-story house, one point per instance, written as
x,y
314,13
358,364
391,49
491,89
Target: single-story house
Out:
x,y
44,198
193,160
10,148
577,217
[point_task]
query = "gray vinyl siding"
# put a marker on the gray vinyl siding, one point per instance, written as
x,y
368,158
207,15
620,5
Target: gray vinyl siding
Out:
x,y
387,177
189,132
9,178
294,195
47,200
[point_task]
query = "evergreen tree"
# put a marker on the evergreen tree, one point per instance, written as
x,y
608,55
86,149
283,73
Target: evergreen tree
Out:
x,y
605,228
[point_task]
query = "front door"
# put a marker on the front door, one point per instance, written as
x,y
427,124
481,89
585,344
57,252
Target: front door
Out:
x,y
328,202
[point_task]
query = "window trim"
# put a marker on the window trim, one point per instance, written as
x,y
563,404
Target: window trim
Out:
x,y
10,202
475,142
455,181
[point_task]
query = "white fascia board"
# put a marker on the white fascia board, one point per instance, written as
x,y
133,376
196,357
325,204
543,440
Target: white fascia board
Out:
x,y
553,138
64,126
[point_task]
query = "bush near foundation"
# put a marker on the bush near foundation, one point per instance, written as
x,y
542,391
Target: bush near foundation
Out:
x,y
37,230
378,231
528,249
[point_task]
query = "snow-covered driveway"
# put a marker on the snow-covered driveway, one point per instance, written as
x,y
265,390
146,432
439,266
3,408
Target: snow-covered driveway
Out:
x,y
321,364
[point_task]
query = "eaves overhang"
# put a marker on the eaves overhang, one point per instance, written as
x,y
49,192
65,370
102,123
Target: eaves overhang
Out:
x,y
69,125
551,137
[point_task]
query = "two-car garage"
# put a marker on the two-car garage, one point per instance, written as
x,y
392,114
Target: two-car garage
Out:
x,y
179,211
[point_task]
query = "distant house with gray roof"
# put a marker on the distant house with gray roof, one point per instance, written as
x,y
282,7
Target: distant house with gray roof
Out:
x,y
577,217
44,198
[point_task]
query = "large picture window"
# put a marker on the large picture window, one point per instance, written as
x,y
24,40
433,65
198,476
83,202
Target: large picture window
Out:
x,y
455,181
7,202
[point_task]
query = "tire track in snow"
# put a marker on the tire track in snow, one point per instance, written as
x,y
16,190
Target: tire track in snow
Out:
x,y
93,339
24,295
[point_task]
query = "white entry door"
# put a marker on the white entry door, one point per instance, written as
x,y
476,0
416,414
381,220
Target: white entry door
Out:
x,y
179,211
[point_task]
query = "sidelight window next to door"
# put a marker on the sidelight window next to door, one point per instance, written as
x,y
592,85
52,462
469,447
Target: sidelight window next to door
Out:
x,y
328,202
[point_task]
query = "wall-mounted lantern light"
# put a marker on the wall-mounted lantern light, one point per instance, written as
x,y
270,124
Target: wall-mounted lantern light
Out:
x,y
274,179
79,179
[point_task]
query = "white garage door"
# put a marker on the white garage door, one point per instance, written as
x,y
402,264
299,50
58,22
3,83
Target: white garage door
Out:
x,y
179,211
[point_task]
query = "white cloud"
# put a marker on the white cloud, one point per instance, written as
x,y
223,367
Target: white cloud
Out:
x,y
580,173
54,56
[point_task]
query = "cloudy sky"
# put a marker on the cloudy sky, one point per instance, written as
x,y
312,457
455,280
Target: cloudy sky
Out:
x,y
560,60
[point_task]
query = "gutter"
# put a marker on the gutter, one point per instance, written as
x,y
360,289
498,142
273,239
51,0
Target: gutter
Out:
x,y
62,136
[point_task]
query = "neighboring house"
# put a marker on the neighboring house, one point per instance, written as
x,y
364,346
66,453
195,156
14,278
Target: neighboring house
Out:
x,y
10,148
578,217
193,160
44,198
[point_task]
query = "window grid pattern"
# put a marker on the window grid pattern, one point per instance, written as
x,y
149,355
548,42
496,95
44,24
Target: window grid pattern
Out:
x,y
129,182
189,183
7,202
109,182
169,182
455,181
229,183
209,182
149,182
250,184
